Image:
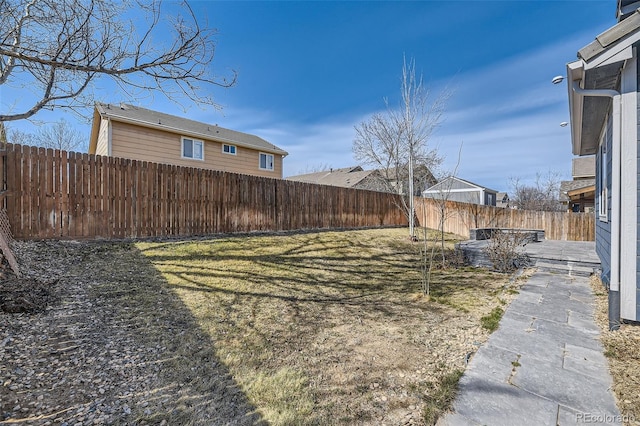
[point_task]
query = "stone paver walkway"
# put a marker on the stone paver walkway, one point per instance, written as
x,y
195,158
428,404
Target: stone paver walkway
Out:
x,y
543,366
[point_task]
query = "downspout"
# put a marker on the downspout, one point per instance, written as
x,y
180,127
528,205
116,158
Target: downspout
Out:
x,y
109,136
616,187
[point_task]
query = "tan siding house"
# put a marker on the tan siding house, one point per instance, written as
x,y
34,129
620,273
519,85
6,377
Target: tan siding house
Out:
x,y
140,134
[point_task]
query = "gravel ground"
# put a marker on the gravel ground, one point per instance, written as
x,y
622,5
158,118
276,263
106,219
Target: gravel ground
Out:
x,y
84,349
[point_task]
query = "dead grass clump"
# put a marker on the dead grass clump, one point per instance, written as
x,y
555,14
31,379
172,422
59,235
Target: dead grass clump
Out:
x,y
442,397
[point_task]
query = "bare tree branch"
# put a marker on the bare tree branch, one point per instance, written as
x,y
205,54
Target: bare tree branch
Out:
x,y
59,135
56,49
388,140
543,195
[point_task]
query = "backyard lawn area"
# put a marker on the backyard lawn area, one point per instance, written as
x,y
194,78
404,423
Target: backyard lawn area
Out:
x,y
306,328
330,325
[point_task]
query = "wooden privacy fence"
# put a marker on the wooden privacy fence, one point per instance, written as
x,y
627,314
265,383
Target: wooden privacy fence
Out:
x,y
59,194
460,217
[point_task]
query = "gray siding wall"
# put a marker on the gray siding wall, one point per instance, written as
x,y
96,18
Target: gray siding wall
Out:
x,y
638,189
472,197
603,229
490,199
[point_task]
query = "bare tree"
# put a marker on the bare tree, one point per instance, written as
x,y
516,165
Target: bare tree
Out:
x,y
61,135
55,49
314,168
396,142
543,195
428,254
20,137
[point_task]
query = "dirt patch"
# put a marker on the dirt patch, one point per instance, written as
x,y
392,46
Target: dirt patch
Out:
x,y
25,295
622,349
317,328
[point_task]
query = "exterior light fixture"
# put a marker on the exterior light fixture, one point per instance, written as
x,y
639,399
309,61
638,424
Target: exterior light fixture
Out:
x,y
564,124
557,79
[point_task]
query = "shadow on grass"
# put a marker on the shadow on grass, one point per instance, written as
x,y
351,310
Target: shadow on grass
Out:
x,y
139,322
342,272
332,308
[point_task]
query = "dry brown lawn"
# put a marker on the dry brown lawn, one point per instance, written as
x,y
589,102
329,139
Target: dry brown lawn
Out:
x,y
331,327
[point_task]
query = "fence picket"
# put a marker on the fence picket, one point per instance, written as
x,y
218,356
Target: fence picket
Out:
x,y
59,194
461,217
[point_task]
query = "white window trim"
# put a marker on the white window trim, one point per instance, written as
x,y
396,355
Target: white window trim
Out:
x,y
273,161
235,149
194,141
603,202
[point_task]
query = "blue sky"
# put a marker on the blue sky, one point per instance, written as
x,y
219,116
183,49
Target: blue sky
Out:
x,y
308,72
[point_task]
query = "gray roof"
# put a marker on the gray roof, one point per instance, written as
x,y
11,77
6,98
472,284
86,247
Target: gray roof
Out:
x,y
171,123
612,35
572,185
583,167
347,177
442,185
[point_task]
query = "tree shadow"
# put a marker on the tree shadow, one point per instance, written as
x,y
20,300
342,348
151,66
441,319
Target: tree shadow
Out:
x,y
311,271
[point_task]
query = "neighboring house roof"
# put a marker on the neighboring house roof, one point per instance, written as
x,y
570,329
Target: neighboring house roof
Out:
x,y
347,177
453,183
581,191
502,199
583,167
357,177
575,186
598,67
171,123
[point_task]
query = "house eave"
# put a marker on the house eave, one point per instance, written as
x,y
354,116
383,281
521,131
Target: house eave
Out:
x,y
615,36
95,127
599,67
579,191
588,113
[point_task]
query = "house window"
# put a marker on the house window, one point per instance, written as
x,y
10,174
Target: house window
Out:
x,y
229,149
603,203
193,149
266,161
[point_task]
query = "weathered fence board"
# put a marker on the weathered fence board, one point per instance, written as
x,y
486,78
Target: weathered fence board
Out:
x,y
58,194
460,217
